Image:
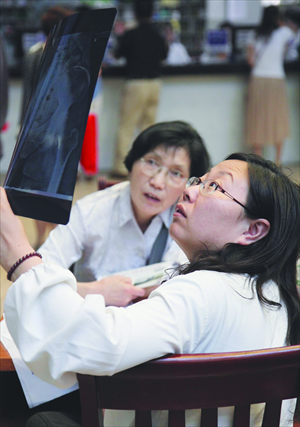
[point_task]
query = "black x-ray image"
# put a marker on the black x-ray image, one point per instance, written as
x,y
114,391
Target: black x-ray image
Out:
x,y
42,174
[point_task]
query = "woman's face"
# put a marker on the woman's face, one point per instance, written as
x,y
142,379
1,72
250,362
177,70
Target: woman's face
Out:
x,y
212,220
151,195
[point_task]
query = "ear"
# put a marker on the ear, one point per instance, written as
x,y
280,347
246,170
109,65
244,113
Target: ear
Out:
x,y
258,229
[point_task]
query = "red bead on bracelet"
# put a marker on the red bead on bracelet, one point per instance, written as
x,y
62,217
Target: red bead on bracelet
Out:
x,y
16,264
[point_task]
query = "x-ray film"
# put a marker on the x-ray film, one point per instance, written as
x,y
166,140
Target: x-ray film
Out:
x,y
42,173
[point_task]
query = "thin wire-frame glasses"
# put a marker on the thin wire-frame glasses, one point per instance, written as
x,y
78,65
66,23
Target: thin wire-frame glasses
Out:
x,y
209,186
151,167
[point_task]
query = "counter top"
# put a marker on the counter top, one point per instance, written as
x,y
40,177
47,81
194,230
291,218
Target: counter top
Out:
x,y
196,69
199,69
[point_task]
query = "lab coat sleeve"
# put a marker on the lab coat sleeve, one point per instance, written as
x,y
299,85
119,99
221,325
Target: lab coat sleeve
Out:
x,y
59,334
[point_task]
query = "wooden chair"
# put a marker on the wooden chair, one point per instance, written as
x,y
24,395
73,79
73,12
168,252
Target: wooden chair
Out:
x,y
205,381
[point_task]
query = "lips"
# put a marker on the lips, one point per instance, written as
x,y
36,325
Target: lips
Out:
x,y
179,211
152,197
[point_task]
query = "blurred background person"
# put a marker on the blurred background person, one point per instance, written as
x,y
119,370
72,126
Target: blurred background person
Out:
x,y
144,50
177,54
267,109
30,67
292,19
3,89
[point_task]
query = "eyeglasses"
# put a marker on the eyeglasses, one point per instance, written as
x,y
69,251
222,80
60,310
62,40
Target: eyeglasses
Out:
x,y
209,186
174,176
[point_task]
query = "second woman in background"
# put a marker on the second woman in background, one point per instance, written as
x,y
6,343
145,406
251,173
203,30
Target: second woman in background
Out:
x,y
267,110
117,229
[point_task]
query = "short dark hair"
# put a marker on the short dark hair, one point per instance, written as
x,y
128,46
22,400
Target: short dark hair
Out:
x,y
143,9
171,134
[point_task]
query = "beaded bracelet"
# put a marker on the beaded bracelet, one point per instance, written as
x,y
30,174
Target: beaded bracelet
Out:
x,y
16,264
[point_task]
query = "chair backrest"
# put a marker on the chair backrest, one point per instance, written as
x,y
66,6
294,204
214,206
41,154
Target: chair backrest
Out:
x,y
200,381
103,182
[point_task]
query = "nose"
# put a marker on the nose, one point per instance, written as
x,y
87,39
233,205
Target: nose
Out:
x,y
190,194
159,179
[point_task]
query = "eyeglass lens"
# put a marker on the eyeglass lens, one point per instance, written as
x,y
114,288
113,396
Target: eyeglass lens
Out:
x,y
151,168
209,186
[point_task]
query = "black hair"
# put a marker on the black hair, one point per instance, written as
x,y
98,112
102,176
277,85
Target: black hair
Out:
x,y
174,134
270,21
143,9
83,8
275,197
293,15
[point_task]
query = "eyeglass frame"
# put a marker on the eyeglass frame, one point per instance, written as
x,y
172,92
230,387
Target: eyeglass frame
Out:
x,y
218,188
160,168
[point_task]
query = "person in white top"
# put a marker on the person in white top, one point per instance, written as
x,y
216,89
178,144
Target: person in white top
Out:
x,y
239,227
267,109
177,53
114,230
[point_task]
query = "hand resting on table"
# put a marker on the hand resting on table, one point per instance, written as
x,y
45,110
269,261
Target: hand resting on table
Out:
x,y
116,290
